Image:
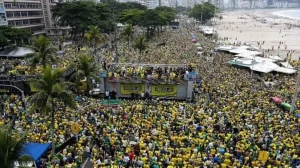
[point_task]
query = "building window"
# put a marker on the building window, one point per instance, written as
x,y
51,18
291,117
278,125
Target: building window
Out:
x,y
11,23
17,14
25,22
9,14
19,23
22,5
24,14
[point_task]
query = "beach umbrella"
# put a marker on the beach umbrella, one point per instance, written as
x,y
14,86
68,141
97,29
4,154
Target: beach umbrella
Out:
x,y
298,115
286,106
276,99
197,44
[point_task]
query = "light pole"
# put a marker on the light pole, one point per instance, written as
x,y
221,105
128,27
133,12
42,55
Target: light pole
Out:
x,y
252,66
295,94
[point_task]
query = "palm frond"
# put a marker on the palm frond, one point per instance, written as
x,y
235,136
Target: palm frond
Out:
x,y
11,147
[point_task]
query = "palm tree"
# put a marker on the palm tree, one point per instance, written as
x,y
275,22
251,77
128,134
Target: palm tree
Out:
x,y
44,52
85,68
94,37
49,91
140,44
12,148
128,34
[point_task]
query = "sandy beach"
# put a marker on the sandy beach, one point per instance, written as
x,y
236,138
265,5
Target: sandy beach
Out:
x,y
262,29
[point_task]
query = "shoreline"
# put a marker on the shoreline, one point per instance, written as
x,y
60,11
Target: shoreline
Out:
x,y
281,14
270,33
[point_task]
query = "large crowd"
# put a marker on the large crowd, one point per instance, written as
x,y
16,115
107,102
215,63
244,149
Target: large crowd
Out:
x,y
232,122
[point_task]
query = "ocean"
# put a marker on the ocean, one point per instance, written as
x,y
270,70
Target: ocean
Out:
x,y
293,14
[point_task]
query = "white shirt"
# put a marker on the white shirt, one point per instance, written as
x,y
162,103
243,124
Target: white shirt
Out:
x,y
126,159
98,162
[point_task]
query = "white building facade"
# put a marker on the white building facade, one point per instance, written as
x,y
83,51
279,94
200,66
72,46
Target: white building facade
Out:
x,y
3,19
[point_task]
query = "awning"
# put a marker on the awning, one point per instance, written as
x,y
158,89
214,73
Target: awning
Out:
x,y
225,48
275,57
261,68
238,51
286,64
35,150
285,70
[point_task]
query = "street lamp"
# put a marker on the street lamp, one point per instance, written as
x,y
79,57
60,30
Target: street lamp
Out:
x,y
295,94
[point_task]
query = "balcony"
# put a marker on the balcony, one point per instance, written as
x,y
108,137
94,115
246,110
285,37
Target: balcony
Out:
x,y
22,9
24,17
34,1
29,25
39,32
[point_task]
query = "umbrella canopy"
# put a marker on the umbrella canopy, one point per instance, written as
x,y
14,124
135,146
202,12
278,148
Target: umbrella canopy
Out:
x,y
286,106
197,44
276,99
298,115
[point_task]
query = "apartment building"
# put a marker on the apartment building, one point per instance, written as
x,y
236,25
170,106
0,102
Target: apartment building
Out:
x,y
3,19
25,14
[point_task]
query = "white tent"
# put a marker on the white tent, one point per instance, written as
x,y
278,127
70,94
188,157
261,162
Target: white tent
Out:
x,y
275,57
248,53
264,67
238,51
225,48
262,59
287,65
244,61
243,47
285,70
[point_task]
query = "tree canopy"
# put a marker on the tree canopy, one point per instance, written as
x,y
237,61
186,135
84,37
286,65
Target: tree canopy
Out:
x,y
44,52
12,147
81,14
207,10
9,35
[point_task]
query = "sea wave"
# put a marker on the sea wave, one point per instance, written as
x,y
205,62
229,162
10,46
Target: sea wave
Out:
x,y
288,14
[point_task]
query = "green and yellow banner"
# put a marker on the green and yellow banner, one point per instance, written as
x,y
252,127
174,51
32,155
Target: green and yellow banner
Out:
x,y
128,88
164,90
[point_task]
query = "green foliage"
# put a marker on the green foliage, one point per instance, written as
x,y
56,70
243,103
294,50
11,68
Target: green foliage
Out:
x,y
11,148
80,14
85,68
167,14
9,35
51,90
131,16
44,52
206,9
151,18
94,37
128,33
140,43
